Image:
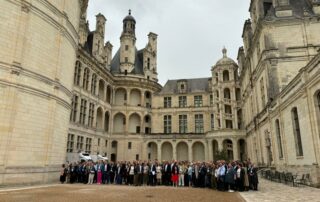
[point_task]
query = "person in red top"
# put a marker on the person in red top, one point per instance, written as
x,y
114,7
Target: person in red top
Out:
x,y
175,174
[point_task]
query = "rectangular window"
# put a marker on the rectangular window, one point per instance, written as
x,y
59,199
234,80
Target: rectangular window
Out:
x,y
83,110
129,145
212,121
182,101
70,143
227,109
126,47
297,133
79,143
229,124
183,124
211,100
167,102
85,82
263,97
198,101
98,142
93,84
74,110
106,143
198,123
278,134
91,114
126,59
88,145
77,73
167,124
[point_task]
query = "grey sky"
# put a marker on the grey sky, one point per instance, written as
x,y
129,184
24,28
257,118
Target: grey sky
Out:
x,y
191,33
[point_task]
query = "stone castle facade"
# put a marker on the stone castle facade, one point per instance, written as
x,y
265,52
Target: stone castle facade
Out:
x,y
63,92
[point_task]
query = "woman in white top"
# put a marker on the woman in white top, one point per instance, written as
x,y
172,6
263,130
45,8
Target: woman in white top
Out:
x,y
159,173
131,174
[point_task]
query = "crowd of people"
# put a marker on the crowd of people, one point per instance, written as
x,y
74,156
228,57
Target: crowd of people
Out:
x,y
220,175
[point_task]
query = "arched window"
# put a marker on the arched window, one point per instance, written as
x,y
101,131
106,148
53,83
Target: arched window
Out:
x,y
278,134
226,75
296,132
226,93
85,81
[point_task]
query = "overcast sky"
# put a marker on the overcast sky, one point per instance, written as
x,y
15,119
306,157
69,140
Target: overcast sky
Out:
x,y
191,33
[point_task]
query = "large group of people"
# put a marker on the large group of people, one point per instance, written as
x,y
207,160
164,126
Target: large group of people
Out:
x,y
220,175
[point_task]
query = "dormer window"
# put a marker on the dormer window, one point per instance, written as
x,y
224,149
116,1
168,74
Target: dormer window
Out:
x,y
182,86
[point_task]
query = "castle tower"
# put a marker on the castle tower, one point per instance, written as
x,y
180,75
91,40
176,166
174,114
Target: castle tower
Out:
x,y
98,39
128,44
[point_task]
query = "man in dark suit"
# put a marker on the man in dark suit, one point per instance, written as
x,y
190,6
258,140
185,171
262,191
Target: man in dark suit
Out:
x,y
106,172
152,174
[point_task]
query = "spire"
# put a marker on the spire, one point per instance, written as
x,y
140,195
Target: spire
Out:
x,y
129,11
224,51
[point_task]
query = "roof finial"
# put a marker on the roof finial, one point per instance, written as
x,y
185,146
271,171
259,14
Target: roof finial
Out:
x,y
224,51
129,11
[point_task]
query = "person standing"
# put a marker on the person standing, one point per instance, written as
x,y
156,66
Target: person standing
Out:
x,y
159,174
63,173
181,174
91,173
99,172
175,174
230,178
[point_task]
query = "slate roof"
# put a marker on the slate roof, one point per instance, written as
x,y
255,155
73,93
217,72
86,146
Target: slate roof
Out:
x,y
138,67
198,85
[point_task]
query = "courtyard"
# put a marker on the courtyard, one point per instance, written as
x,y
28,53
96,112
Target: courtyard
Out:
x,y
79,192
268,191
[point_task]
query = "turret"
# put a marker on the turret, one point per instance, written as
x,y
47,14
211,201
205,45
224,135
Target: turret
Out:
x,y
128,42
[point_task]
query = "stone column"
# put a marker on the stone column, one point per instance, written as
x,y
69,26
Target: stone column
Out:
x,y
235,149
206,154
190,151
210,150
220,144
128,91
159,151
174,151
142,99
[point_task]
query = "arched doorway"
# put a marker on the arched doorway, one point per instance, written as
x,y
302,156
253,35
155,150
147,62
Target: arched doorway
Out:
x,y
114,150
228,148
99,116
198,151
215,149
101,89
242,149
106,121
135,97
119,122
152,151
109,94
182,151
147,124
167,151
120,96
147,99
134,123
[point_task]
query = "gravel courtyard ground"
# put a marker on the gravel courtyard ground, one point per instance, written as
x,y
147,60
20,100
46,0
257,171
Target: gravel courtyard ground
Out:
x,y
110,193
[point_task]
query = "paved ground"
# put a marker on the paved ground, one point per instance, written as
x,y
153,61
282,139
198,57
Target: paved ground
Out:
x,y
96,193
273,191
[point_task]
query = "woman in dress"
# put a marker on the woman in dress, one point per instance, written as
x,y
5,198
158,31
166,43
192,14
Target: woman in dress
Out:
x,y
63,174
159,174
175,174
99,173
